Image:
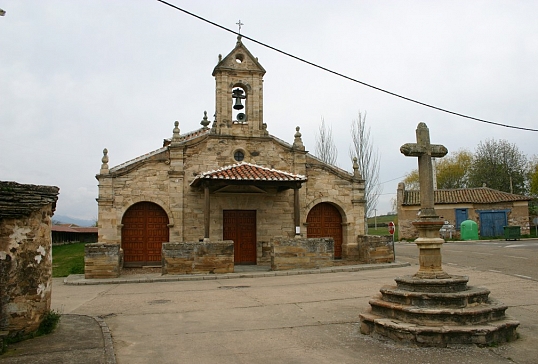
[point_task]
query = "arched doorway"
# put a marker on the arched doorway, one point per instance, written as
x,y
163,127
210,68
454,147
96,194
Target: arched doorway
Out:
x,y
145,228
324,220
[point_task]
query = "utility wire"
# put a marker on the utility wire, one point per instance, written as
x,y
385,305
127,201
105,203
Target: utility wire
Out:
x,y
344,76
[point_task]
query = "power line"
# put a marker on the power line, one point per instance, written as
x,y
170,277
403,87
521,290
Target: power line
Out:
x,y
344,76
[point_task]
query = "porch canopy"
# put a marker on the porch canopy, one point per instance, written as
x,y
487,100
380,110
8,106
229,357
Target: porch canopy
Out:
x,y
247,178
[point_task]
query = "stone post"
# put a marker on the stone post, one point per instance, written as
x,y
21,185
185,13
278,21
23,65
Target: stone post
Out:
x,y
428,223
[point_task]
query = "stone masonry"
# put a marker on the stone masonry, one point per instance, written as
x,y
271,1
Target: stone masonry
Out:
x,y
25,255
302,253
198,257
102,260
373,249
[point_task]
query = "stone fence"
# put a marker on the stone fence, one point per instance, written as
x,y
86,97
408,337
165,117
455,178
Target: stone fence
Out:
x,y
301,253
373,249
198,257
102,260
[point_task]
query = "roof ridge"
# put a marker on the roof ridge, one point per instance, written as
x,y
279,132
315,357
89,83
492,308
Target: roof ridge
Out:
x,y
244,171
137,159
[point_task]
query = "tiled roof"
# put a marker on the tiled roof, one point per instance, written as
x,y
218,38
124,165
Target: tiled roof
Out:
x,y
465,195
248,172
73,229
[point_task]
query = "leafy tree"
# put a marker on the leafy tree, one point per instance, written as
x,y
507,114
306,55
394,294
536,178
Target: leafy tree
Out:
x,y
325,147
411,180
533,176
500,165
453,170
368,161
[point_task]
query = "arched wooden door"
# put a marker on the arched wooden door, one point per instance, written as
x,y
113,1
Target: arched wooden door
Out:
x,y
145,228
324,220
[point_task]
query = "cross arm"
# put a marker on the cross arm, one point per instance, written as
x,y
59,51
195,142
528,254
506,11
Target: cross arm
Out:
x,y
416,150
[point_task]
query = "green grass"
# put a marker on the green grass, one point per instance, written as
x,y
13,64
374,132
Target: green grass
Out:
x,y
67,259
384,219
383,230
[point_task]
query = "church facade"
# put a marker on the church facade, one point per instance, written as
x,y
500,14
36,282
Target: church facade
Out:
x,y
228,180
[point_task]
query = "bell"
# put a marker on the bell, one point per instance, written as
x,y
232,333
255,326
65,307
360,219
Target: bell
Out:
x,y
238,105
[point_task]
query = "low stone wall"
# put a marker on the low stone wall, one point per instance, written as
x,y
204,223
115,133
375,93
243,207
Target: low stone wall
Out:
x,y
301,253
198,257
102,260
374,249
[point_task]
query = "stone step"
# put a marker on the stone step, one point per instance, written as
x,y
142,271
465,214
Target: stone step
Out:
x,y
497,331
470,297
439,316
445,285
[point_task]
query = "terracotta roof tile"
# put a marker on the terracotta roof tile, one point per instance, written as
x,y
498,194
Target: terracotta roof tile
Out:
x,y
66,228
465,195
248,172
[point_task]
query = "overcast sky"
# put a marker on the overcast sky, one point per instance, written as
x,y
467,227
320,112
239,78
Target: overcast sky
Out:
x,y
79,76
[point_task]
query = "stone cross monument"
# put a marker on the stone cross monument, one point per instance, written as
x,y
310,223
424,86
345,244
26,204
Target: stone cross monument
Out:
x,y
431,308
428,223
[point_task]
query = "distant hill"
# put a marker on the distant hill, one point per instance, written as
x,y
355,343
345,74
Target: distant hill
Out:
x,y
70,220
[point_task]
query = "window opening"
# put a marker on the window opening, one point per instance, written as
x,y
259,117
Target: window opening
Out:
x,y
239,156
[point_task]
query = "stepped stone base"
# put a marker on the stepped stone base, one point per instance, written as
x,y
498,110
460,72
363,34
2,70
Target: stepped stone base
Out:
x,y
438,312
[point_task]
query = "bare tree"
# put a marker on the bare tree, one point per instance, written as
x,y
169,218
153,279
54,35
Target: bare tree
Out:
x,y
368,161
325,147
394,204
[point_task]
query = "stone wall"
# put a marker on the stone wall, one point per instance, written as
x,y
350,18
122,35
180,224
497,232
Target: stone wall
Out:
x,y
301,253
102,260
519,216
198,257
25,255
373,249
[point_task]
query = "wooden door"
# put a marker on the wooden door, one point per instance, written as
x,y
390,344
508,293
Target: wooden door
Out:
x,y
240,226
145,229
324,220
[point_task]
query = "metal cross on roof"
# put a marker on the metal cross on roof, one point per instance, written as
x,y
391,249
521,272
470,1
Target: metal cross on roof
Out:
x,y
239,24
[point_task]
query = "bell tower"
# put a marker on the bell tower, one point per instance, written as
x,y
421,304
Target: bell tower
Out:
x,y
239,93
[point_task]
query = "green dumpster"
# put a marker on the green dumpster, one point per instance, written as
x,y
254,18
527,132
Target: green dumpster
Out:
x,y
469,230
512,232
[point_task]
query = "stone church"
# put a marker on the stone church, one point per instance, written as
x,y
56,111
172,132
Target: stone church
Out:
x,y
229,180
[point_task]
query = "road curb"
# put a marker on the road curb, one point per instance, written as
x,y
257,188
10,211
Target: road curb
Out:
x,y
79,280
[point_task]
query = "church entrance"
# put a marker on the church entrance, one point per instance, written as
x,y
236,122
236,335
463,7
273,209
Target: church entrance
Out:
x,y
240,226
145,228
324,220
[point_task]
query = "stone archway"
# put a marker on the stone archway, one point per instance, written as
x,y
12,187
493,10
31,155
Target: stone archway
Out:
x,y
324,220
145,228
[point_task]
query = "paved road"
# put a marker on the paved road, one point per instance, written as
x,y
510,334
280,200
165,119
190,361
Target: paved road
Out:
x,y
286,319
515,258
